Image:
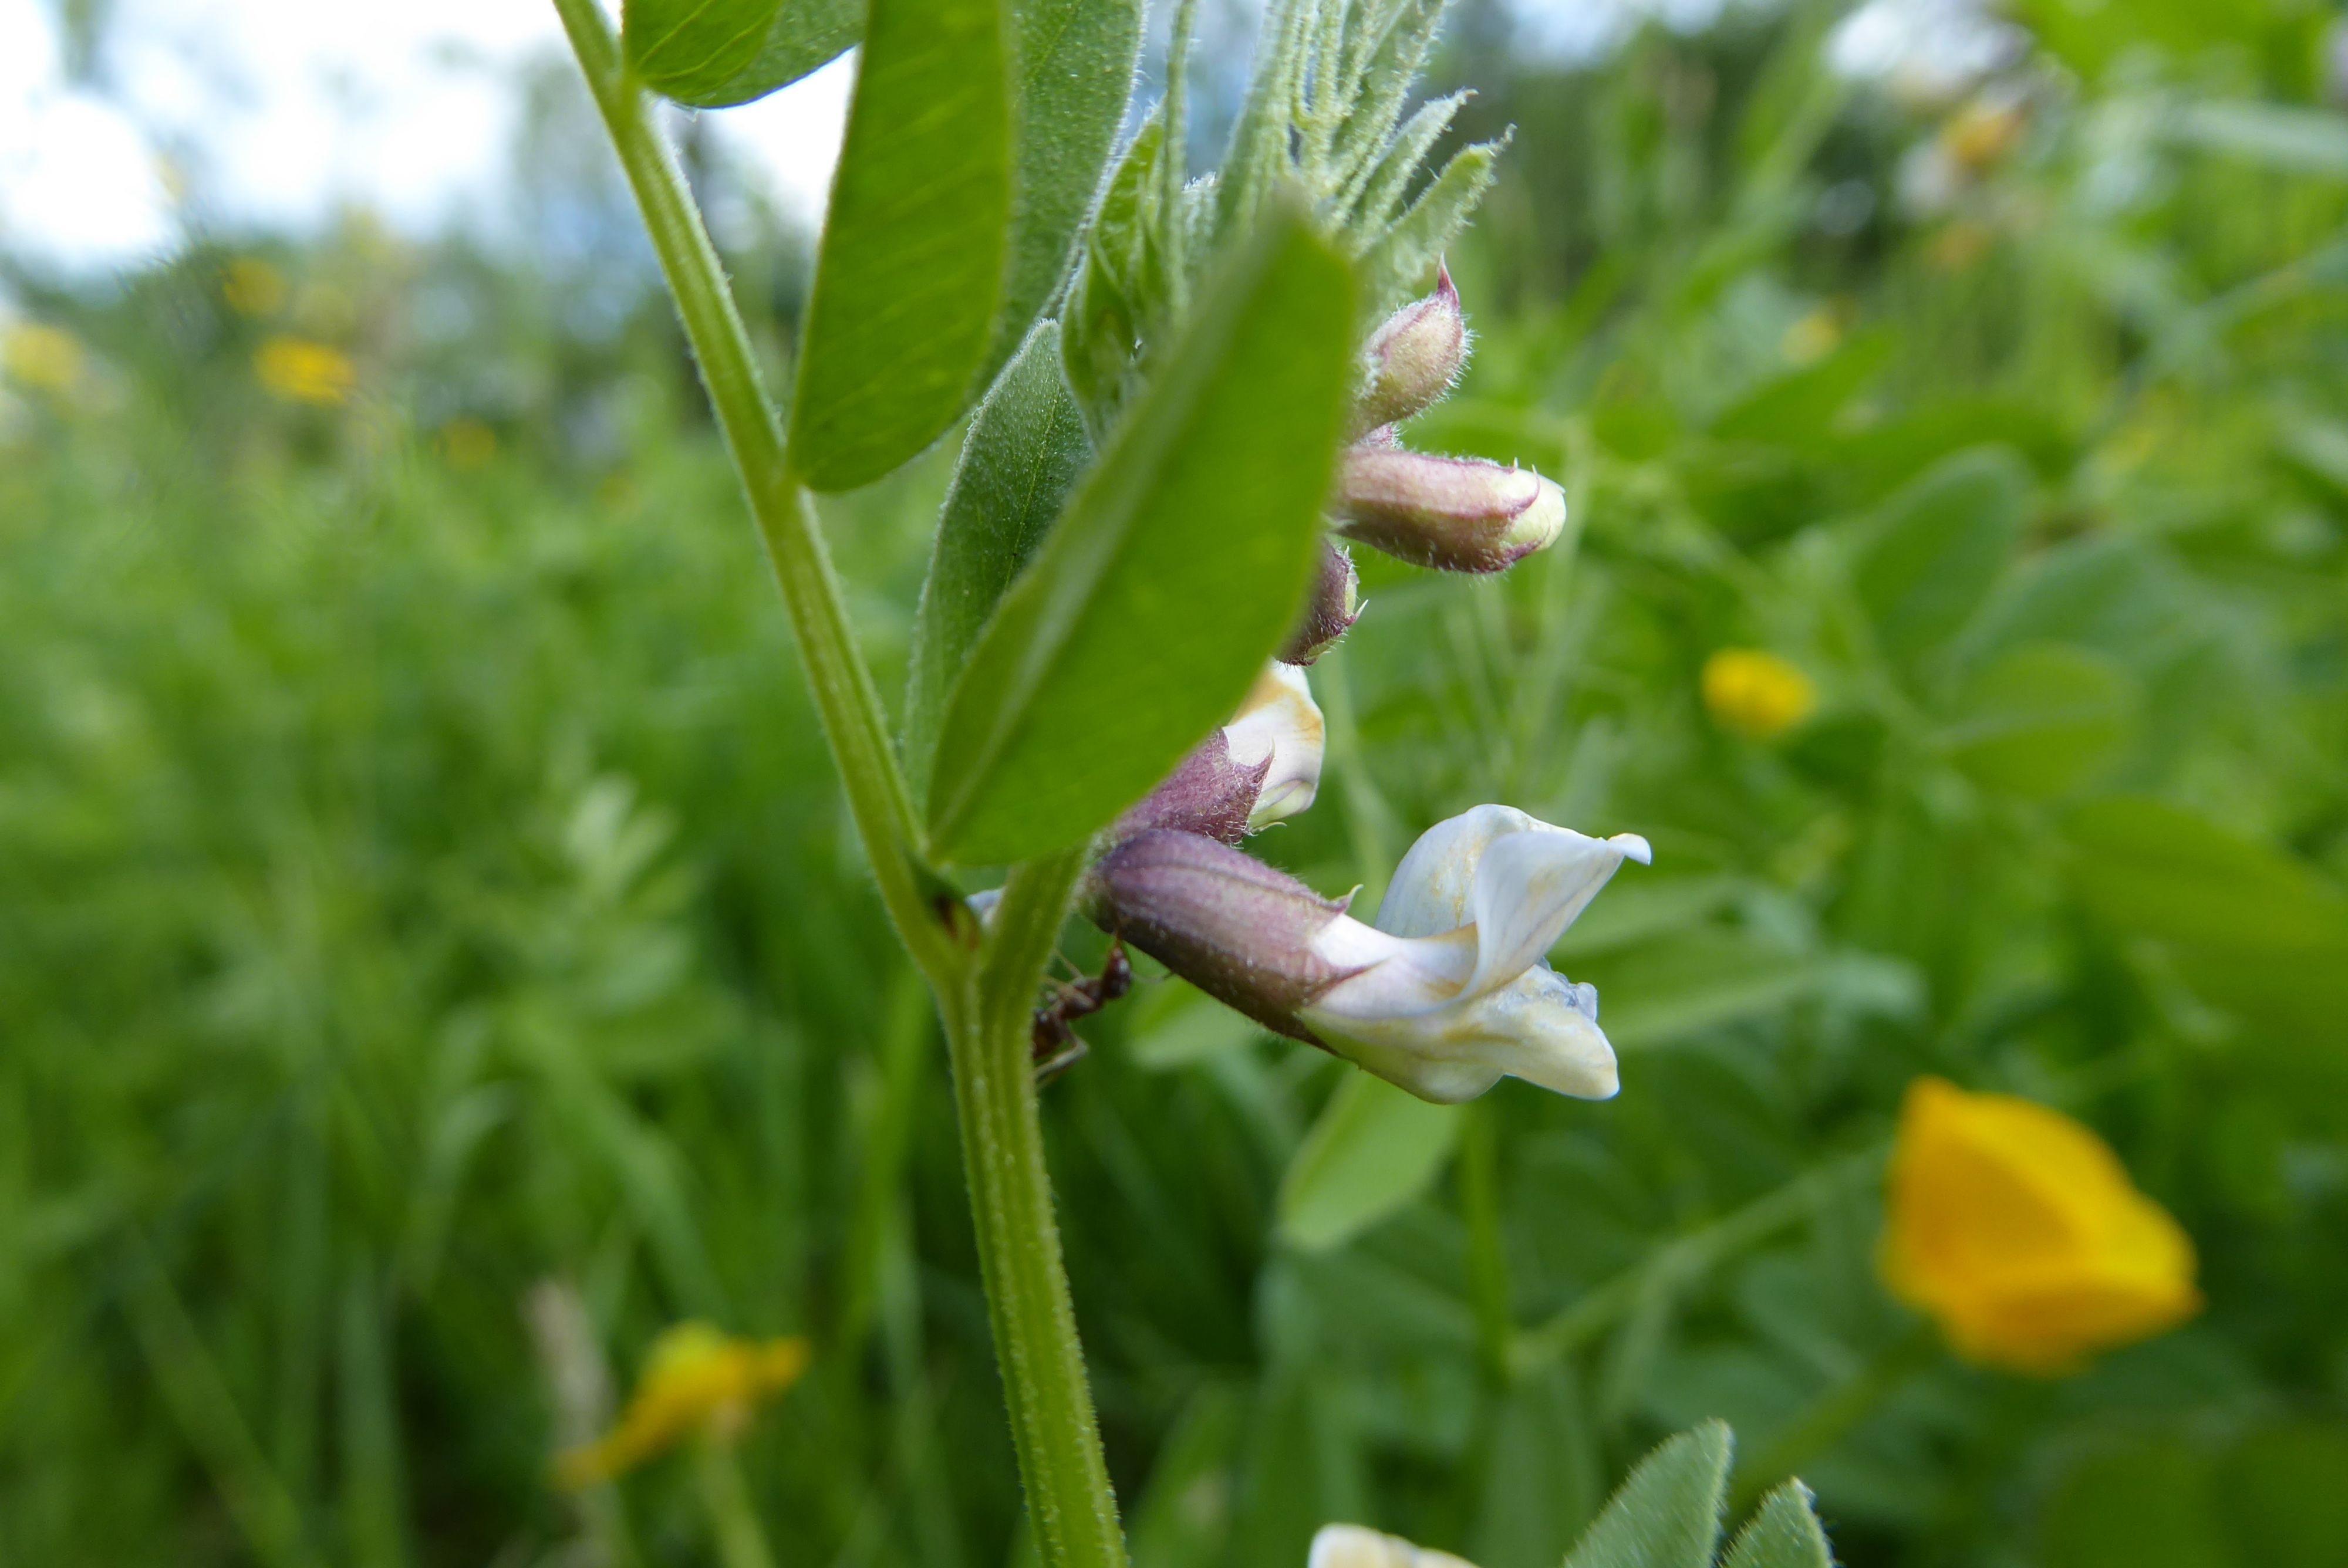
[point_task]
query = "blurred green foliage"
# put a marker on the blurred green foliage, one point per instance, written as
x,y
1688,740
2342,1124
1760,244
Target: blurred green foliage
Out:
x,y
425,919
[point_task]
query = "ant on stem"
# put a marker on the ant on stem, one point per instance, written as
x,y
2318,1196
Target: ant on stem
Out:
x,y
1057,1046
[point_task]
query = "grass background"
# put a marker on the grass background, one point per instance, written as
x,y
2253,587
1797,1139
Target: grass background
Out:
x,y
423,895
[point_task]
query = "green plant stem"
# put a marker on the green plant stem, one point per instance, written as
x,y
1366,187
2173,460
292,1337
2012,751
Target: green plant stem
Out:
x,y
1487,1258
734,1524
845,697
984,996
1069,1502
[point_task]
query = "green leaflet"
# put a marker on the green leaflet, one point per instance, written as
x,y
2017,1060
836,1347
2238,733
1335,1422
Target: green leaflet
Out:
x,y
1375,1149
1784,1534
2043,721
1107,306
1025,448
713,54
1172,576
2255,932
1938,549
2161,872
912,267
1667,1514
1076,61
1403,257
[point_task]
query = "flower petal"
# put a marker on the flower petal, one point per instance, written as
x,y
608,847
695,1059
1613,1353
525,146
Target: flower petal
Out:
x,y
1529,886
1279,728
1358,1546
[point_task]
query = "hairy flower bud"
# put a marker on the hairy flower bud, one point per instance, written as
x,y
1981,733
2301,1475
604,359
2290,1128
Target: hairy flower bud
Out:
x,y
1330,613
1235,928
1413,358
1458,513
1209,794
1258,769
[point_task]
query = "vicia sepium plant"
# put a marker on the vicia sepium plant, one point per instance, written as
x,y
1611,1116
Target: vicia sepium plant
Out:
x,y
1178,389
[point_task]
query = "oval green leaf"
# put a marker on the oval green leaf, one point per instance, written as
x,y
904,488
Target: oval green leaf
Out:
x,y
912,265
1375,1149
1075,62
1784,1534
713,54
1171,577
1667,1514
1939,547
1026,449
2043,721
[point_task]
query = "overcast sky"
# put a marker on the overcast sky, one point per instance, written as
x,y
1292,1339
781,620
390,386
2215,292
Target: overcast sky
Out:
x,y
248,116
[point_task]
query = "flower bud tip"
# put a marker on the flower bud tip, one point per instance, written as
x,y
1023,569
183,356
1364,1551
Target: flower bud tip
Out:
x,y
1456,514
1413,358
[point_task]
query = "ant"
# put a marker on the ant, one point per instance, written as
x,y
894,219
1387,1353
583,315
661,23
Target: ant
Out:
x,y
1057,1047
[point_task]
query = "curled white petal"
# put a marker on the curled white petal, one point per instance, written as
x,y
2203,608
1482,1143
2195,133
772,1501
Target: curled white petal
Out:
x,y
1358,1546
1450,989
1278,722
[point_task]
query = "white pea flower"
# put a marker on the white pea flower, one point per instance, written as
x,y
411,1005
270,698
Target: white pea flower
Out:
x,y
1449,991
1280,727
1358,1546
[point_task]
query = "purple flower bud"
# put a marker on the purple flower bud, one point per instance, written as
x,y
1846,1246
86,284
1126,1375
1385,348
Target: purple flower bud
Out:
x,y
1458,513
1226,922
1413,358
1209,794
1258,769
1336,605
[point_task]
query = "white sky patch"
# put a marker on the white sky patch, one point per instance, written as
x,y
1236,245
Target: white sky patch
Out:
x,y
247,115
1929,51
79,184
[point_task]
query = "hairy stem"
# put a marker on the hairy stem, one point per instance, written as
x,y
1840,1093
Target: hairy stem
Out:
x,y
982,996
845,697
1069,1502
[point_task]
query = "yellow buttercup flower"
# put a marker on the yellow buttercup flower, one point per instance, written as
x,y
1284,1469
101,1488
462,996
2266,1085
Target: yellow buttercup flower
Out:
x,y
47,357
2018,1230
695,1379
301,371
1756,694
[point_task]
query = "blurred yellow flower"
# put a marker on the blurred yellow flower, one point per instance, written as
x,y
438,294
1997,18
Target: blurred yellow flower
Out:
x,y
253,287
1958,246
695,1379
1981,132
2018,1230
468,444
1813,337
301,371
47,357
1756,694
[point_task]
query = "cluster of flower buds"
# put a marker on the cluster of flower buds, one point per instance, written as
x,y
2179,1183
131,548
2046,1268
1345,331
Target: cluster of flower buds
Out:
x,y
1454,514
1450,988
